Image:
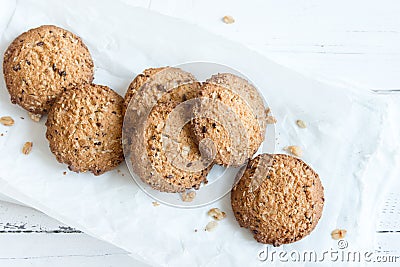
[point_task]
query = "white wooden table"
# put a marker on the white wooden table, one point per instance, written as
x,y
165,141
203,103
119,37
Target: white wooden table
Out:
x,y
355,43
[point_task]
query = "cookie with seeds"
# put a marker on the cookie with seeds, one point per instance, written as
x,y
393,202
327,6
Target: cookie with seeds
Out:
x,y
231,113
279,198
42,63
158,101
138,82
84,129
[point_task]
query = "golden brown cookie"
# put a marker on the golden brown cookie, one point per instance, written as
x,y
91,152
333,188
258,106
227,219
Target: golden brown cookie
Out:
x,y
157,161
138,82
42,63
232,114
84,129
279,198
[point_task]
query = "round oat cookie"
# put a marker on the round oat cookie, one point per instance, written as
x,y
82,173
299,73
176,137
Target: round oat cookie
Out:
x,y
138,82
84,129
42,63
279,198
232,114
155,159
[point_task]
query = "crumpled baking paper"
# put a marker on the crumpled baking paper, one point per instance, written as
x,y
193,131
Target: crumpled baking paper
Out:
x,y
346,141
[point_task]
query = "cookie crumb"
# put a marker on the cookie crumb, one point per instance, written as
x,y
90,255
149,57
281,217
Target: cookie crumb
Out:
x,y
195,230
271,120
301,124
1,134
188,197
338,234
228,19
216,213
27,148
64,173
155,203
34,117
294,150
267,111
22,118
7,121
211,226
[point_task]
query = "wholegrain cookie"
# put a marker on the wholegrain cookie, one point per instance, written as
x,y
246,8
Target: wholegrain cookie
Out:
x,y
279,198
138,82
163,160
42,63
84,129
231,113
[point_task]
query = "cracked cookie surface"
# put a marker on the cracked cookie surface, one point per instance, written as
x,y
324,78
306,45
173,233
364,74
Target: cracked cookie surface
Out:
x,y
279,198
42,63
84,129
231,113
153,155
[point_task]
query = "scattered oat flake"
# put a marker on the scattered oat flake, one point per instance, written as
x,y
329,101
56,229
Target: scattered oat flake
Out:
x,y
228,19
301,124
7,121
294,150
267,111
35,117
338,234
271,120
217,214
155,203
188,197
27,148
211,226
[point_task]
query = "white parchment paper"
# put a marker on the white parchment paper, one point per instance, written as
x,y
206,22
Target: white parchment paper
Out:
x,y
345,141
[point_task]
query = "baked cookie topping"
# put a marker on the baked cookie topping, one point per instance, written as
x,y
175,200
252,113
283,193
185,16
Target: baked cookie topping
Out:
x,y
84,129
42,63
279,198
231,113
155,101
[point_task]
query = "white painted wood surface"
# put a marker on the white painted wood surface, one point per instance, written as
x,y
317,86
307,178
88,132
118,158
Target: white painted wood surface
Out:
x,y
28,237
354,43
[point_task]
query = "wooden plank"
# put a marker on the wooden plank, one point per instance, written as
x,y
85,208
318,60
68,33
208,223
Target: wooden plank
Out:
x,y
20,219
28,236
344,42
61,250
70,261
390,215
25,246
